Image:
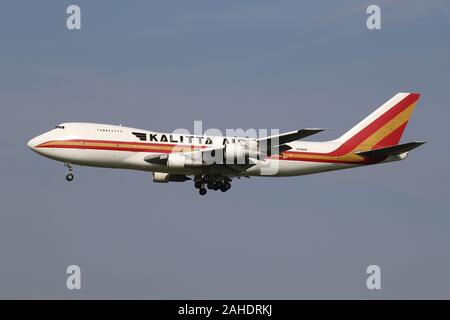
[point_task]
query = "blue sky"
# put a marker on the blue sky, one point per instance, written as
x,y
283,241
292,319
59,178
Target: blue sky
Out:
x,y
160,65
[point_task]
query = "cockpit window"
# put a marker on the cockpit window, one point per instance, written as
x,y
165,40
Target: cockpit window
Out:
x,y
59,127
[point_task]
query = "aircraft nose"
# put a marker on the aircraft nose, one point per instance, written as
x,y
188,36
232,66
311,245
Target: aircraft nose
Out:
x,y
32,143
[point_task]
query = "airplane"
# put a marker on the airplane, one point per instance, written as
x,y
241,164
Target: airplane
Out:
x,y
214,161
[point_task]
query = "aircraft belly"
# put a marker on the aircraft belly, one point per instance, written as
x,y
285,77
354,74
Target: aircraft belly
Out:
x,y
282,168
135,161
86,157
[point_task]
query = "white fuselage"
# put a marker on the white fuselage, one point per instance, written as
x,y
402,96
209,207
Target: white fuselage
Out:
x,y
110,146
176,157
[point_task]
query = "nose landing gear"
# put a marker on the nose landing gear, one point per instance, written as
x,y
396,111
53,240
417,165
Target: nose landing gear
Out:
x,y
69,176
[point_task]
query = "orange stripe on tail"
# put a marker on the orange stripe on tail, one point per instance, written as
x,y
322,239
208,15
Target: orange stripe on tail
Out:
x,y
382,128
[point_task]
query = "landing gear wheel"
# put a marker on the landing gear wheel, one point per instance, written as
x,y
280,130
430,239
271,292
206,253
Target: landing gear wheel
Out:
x,y
225,187
198,184
202,191
69,176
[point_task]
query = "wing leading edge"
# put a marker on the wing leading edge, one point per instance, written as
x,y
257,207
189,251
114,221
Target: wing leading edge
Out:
x,y
286,137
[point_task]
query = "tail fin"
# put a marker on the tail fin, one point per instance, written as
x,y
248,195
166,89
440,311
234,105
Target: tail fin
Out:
x,y
384,127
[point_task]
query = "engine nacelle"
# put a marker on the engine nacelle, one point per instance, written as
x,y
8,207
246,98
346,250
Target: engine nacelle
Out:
x,y
160,177
234,152
163,177
240,151
176,161
253,150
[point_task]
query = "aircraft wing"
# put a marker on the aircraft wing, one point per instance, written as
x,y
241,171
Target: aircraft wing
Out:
x,y
197,158
195,155
390,151
282,138
276,144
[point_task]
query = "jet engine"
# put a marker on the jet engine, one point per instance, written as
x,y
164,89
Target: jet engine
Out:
x,y
239,152
176,161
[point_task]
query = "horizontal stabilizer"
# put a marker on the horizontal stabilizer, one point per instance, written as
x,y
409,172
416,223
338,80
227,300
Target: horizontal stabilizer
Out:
x,y
390,151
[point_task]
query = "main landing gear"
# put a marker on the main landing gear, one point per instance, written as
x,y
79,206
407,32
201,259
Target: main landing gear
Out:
x,y
202,183
69,176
